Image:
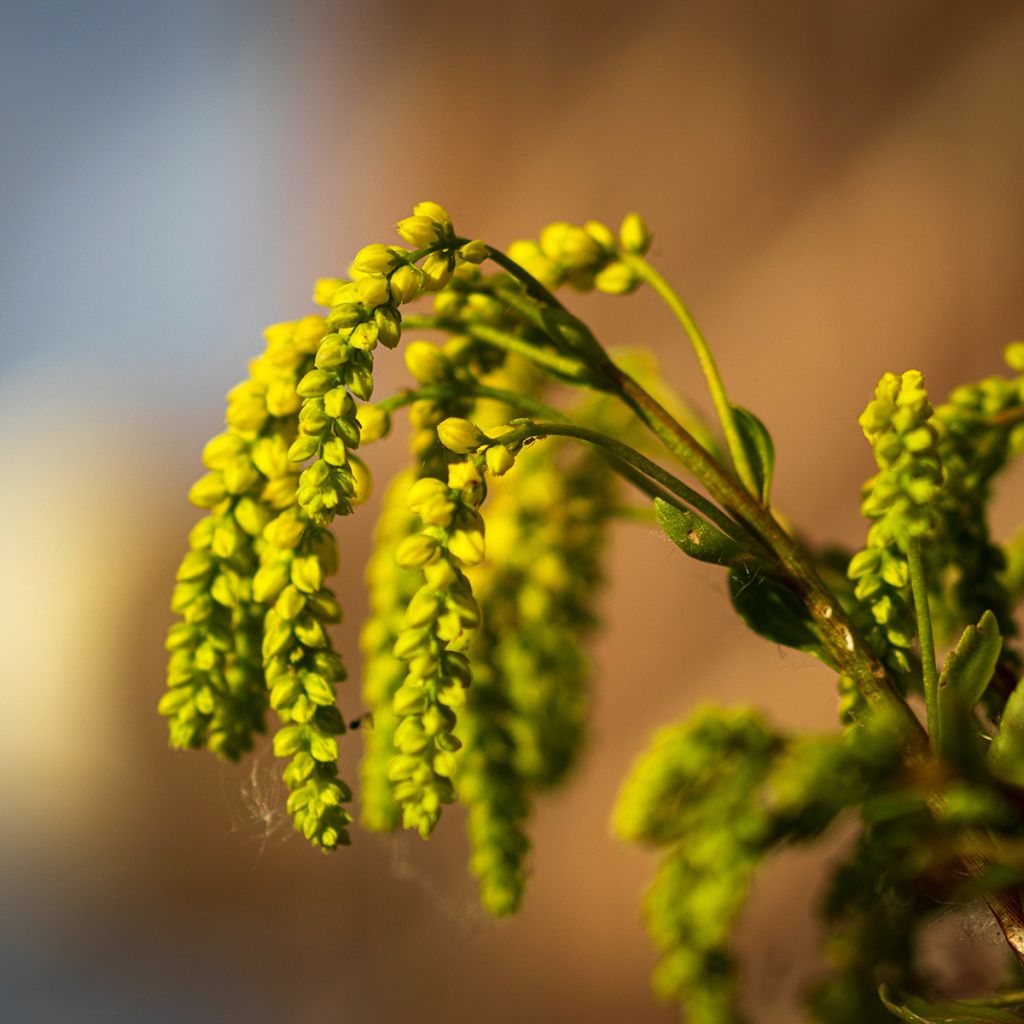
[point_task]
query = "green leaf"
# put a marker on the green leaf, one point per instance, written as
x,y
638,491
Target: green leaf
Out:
x,y
965,676
773,611
1006,755
968,669
698,538
918,1011
758,447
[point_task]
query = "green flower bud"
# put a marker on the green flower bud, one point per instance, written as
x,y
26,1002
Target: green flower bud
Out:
x,y
389,326
473,252
316,383
303,447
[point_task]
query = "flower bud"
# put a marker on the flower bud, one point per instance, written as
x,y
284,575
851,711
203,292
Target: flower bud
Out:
x,y
416,551
324,289
634,234
376,259
467,546
426,362
435,212
389,325
602,234
374,423
315,383
208,491
616,279
460,436
364,336
373,291
437,271
419,231
222,449
473,252
1014,356
499,460
406,284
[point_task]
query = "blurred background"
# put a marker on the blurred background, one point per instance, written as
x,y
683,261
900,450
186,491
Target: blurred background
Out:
x,y
836,188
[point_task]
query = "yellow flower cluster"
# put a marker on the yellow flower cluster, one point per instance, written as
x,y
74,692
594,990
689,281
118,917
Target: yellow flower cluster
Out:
x,y
584,257
390,590
258,561
364,313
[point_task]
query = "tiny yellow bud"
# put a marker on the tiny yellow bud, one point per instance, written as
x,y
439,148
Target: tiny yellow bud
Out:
x,y
364,336
324,289
437,271
467,546
426,362
372,290
406,284
1014,355
307,574
425,490
240,475
435,211
269,581
601,234
459,435
361,480
616,279
419,231
284,532
464,476
473,252
208,490
416,551
303,448
374,423
222,449
634,234
376,259
499,460
315,383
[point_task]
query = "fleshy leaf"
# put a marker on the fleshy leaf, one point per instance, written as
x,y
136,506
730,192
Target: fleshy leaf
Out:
x,y
759,448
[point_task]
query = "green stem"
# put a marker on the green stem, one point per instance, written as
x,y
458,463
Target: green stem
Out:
x,y
533,287
531,407
930,674
563,367
631,457
845,648
708,367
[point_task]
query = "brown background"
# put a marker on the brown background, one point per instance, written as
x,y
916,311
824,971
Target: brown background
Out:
x,y
836,188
